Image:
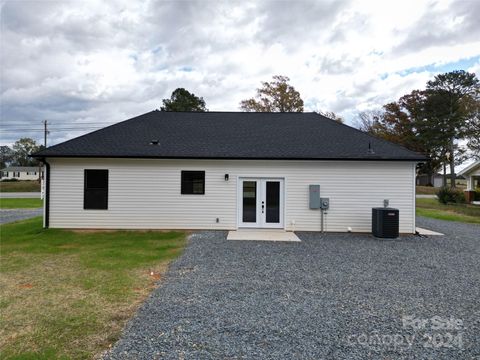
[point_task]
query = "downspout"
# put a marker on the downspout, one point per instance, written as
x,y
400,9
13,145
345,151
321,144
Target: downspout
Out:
x,y
47,194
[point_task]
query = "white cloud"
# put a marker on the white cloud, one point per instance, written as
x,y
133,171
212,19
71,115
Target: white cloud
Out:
x,y
100,62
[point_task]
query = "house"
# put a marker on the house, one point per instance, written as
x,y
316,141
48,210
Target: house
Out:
x,y
20,173
435,180
226,170
472,174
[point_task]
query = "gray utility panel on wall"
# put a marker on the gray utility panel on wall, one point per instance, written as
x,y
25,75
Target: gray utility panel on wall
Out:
x,y
314,195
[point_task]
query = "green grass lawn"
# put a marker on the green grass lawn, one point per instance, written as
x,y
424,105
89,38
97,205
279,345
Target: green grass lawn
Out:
x,y
20,186
451,212
20,203
68,294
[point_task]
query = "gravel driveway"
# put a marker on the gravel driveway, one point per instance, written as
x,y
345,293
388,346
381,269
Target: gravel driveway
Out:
x,y
336,296
11,215
19,195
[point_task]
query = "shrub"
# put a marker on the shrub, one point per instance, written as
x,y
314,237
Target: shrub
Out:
x,y
476,196
9,180
448,195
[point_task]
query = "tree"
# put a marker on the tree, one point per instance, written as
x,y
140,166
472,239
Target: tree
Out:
x,y
432,121
22,149
275,96
369,121
448,95
331,115
183,100
401,122
473,126
6,156
404,123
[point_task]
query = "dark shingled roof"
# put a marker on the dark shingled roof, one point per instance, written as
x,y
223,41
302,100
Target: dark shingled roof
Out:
x,y
20,168
231,135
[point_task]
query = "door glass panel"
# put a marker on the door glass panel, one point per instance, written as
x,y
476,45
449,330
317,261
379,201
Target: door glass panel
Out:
x,y
249,201
273,202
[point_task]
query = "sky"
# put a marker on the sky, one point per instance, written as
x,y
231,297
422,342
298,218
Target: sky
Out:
x,y
82,65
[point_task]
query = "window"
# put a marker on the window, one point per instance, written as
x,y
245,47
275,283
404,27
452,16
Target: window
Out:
x,y
193,182
95,195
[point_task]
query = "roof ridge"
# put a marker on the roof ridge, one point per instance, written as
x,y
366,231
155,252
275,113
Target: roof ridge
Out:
x,y
237,112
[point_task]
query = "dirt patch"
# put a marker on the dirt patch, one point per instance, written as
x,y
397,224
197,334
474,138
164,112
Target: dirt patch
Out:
x,y
25,286
55,298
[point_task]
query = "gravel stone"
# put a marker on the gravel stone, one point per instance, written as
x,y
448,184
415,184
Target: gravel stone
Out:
x,y
331,296
11,215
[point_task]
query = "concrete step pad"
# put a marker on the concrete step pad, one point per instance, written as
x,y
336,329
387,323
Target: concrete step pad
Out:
x,y
423,231
262,235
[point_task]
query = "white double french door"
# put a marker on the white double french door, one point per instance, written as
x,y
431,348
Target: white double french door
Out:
x,y
261,203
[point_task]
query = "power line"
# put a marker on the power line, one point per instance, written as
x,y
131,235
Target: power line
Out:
x,y
51,129
60,124
56,125
55,128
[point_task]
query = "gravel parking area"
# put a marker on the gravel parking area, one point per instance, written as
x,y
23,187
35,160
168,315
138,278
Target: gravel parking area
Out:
x,y
10,215
333,296
19,195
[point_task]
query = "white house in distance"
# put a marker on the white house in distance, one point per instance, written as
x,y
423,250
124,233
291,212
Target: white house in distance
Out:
x,y
20,173
472,174
226,170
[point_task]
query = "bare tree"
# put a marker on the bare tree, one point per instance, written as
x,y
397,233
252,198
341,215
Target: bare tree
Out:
x,y
331,115
368,121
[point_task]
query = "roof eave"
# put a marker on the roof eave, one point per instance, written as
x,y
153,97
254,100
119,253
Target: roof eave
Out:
x,y
43,156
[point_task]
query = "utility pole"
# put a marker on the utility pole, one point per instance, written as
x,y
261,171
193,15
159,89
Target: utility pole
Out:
x,y
45,132
40,177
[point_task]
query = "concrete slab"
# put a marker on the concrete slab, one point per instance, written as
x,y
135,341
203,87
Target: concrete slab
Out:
x,y
423,231
262,235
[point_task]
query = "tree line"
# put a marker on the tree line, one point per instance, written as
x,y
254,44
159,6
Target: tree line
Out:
x,y
276,95
441,121
18,154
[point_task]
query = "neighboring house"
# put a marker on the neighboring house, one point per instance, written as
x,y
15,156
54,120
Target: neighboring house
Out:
x,y
20,173
435,180
226,170
472,174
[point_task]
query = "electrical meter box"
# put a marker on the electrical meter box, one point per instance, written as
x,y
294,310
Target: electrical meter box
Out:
x,y
324,203
314,195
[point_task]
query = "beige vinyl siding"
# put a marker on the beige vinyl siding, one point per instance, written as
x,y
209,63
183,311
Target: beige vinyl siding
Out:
x,y
145,193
